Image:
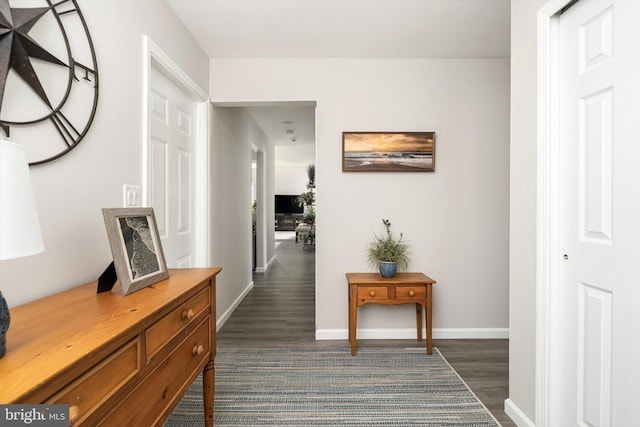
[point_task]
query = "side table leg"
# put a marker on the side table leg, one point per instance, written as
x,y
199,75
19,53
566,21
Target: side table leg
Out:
x,y
428,320
419,320
353,319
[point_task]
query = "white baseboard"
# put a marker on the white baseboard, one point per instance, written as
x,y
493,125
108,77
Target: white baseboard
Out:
x,y
410,333
331,334
470,333
518,417
266,267
225,316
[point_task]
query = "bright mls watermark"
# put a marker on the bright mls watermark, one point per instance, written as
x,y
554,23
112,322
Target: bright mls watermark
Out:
x,y
34,415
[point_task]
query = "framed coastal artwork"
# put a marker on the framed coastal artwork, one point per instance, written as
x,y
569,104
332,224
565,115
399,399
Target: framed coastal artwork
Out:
x,y
388,151
135,245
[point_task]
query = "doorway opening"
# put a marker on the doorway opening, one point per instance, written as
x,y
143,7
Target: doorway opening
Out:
x,y
259,222
256,147
291,130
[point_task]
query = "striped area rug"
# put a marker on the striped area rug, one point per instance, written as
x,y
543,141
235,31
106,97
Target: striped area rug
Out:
x,y
329,387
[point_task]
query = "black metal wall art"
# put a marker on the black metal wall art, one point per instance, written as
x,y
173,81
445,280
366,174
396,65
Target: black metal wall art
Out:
x,y
48,77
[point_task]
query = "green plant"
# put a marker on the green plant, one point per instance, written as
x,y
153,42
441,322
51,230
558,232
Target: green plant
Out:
x,y
388,248
307,198
309,215
311,174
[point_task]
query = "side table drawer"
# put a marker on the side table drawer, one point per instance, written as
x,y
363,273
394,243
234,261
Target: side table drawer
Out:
x,y
165,329
373,292
411,292
162,387
94,387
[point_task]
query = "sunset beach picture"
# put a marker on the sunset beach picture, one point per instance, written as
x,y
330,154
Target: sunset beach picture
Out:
x,y
388,151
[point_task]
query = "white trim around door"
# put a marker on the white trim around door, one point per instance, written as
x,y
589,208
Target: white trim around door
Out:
x,y
156,58
548,176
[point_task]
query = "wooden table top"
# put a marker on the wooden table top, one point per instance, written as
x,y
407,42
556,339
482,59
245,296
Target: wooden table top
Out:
x,y
397,279
76,322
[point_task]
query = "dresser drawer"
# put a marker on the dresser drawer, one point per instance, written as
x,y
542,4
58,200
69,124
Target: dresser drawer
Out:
x,y
411,292
173,323
146,404
373,292
90,390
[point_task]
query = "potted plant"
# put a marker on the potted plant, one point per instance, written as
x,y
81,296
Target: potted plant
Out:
x,y
388,253
311,174
309,216
307,198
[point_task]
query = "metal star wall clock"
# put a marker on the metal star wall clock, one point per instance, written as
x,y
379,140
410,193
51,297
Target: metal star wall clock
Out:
x,y
48,77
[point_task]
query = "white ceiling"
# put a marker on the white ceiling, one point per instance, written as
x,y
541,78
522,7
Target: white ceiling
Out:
x,y
348,28
341,29
296,147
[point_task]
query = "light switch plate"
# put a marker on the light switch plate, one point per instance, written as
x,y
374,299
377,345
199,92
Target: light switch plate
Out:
x,y
131,196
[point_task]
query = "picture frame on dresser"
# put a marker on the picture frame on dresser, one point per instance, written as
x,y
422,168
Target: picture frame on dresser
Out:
x,y
136,248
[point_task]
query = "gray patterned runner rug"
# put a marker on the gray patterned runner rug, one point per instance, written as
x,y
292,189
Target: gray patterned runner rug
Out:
x,y
329,387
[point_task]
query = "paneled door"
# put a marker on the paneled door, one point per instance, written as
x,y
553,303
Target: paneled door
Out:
x,y
172,115
599,228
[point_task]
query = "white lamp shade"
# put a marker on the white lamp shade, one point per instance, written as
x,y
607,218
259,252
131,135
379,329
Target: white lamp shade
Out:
x,y
20,233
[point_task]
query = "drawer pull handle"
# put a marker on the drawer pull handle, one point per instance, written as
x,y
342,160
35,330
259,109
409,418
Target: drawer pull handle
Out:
x,y
411,293
372,293
197,350
187,315
74,414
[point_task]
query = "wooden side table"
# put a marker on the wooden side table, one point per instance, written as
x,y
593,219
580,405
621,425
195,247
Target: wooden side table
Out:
x,y
403,288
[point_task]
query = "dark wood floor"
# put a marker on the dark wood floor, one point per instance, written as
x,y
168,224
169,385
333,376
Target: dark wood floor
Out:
x,y
280,312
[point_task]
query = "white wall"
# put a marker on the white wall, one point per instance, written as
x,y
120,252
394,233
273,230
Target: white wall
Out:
x,y
71,191
291,179
233,132
456,218
522,255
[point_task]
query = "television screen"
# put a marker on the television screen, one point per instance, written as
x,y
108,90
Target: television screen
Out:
x,y
286,204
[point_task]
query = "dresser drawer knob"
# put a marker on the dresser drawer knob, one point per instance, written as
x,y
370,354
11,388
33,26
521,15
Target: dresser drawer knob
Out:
x,y
187,315
74,414
411,293
197,350
372,293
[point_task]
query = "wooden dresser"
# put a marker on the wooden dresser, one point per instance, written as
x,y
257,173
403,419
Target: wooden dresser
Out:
x,y
116,360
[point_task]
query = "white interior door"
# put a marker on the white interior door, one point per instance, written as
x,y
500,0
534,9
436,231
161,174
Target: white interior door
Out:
x,y
599,229
172,114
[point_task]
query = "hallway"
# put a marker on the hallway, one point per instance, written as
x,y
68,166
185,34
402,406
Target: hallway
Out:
x,y
280,312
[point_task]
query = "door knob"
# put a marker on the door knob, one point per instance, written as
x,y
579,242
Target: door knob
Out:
x,y
565,256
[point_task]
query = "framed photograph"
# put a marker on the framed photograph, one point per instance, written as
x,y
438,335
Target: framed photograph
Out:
x,y
136,248
388,151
